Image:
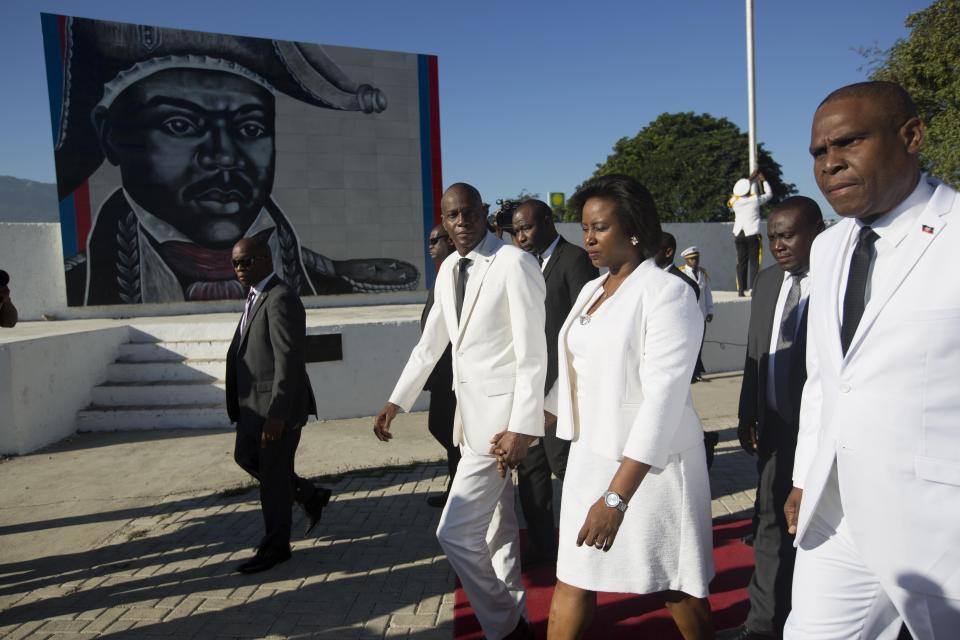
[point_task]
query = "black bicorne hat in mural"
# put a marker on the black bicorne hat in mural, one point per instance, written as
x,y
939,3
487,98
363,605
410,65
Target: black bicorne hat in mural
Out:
x,y
102,58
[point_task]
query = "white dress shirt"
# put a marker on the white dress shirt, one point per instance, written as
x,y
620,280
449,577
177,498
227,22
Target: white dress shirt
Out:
x,y
771,389
545,256
256,289
892,227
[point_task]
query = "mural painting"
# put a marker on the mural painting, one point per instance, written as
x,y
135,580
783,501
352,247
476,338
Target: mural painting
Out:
x,y
179,132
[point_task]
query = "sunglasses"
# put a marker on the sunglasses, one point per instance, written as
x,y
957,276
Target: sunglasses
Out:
x,y
434,241
245,262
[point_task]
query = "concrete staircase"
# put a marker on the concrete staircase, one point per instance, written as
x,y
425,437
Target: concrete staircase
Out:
x,y
164,378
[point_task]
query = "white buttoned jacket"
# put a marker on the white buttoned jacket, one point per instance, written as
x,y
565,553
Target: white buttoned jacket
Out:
x,y
642,381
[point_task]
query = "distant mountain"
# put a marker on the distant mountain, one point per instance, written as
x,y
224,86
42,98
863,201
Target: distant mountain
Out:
x,y
28,201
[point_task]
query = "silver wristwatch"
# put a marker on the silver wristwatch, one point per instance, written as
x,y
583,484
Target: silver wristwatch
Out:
x,y
614,501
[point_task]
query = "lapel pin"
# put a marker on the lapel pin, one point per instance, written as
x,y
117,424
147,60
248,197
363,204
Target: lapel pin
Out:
x,y
927,229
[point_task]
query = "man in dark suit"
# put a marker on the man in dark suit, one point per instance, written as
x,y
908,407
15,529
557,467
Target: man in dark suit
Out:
x,y
769,415
566,268
269,398
443,400
664,260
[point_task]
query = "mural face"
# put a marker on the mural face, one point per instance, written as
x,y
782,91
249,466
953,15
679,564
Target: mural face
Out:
x,y
197,146
178,130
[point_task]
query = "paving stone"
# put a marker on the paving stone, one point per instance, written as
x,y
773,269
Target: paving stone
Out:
x,y
373,570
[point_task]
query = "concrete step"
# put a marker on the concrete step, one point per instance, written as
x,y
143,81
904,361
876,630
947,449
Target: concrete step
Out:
x,y
126,395
153,417
173,351
186,331
188,370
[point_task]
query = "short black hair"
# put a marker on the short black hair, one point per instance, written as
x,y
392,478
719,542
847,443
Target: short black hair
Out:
x,y
893,97
541,210
667,241
471,191
633,204
806,207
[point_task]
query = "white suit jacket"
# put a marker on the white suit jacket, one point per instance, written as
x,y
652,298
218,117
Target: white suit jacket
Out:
x,y
499,348
746,210
893,402
646,411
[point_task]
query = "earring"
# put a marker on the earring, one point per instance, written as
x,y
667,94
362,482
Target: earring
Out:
x,y
634,240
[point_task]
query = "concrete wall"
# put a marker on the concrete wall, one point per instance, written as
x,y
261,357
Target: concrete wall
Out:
x,y
33,256
48,370
718,255
373,357
44,381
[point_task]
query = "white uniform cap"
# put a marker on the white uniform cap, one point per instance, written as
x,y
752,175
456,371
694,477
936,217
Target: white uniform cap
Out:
x,y
690,251
741,187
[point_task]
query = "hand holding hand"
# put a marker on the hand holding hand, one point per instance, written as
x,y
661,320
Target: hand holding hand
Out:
x,y
748,437
600,527
272,431
381,424
510,449
791,509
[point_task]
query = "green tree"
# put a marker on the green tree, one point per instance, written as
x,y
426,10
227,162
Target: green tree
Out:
x,y
927,64
689,163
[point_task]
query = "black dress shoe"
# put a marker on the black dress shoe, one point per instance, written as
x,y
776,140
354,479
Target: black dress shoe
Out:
x,y
741,633
265,560
438,502
314,508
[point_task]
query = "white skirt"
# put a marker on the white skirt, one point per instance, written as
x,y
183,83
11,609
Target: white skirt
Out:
x,y
665,541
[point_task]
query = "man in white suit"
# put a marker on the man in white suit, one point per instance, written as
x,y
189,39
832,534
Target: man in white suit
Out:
x,y
876,503
489,303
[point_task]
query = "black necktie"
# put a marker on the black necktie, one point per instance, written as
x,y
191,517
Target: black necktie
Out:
x,y
461,283
785,339
540,259
854,298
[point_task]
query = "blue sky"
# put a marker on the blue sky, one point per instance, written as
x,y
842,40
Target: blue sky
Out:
x,y
532,94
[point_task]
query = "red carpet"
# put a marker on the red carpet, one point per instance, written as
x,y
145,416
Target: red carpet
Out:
x,y
624,615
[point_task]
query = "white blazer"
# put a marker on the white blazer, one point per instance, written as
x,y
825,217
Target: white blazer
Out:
x,y
643,387
499,347
893,403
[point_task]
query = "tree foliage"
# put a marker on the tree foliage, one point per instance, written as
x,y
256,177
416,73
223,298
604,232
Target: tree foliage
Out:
x,y
689,163
927,64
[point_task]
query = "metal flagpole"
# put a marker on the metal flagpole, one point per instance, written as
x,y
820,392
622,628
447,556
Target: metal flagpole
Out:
x,y
751,90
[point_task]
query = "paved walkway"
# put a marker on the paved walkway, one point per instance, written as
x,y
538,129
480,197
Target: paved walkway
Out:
x,y
137,535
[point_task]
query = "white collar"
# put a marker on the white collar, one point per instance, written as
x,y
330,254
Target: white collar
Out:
x,y
165,232
894,225
549,250
486,247
259,287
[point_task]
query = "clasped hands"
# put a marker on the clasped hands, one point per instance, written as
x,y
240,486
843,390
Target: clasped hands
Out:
x,y
511,448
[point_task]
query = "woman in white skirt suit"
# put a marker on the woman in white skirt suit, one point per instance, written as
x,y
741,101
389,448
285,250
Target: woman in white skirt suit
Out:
x,y
635,514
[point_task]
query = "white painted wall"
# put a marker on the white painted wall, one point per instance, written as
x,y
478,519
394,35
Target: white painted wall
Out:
x,y
45,380
718,255
32,254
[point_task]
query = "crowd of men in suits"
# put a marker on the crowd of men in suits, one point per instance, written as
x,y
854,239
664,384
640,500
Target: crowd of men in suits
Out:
x,y
848,397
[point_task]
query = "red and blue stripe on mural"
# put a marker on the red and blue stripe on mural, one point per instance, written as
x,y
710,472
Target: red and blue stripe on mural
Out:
x,y
430,168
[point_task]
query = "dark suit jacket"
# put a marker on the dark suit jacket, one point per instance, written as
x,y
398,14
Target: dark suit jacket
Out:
x,y
441,379
266,372
753,392
567,270
690,281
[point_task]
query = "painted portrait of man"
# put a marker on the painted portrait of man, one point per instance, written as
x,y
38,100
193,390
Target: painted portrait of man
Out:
x,y
189,120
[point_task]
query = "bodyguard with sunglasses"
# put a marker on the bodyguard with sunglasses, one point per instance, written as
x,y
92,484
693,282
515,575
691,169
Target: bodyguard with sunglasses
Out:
x,y
269,398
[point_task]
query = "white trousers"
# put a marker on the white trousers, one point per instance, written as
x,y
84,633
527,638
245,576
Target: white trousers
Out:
x,y
479,533
837,597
